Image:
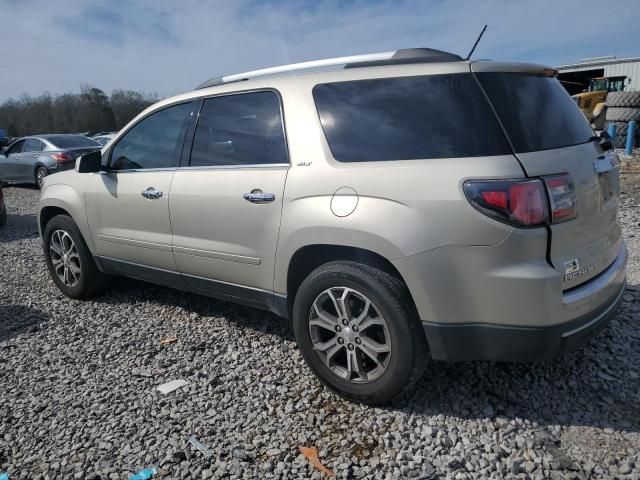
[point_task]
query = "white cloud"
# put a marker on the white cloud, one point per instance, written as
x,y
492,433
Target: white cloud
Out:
x,y
167,47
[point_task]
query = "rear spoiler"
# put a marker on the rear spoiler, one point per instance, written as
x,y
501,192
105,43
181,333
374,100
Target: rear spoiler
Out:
x,y
532,68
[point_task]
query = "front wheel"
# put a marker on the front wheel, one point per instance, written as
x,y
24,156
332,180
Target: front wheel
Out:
x,y
358,331
69,261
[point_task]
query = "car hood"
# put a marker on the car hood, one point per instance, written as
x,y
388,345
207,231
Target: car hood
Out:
x,y
64,177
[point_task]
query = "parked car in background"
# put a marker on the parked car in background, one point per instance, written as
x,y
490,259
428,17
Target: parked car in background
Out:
x,y
404,211
104,139
3,208
4,138
30,159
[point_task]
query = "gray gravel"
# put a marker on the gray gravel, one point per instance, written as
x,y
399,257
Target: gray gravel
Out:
x,y
78,394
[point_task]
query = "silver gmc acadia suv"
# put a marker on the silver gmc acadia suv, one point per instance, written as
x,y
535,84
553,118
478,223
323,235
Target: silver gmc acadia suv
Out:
x,y
395,207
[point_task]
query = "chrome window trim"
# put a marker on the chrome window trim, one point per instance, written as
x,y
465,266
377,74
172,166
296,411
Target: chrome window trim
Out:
x,y
135,170
220,167
237,167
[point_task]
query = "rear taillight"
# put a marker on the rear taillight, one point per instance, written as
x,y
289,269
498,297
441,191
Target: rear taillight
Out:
x,y
62,157
562,196
525,202
522,203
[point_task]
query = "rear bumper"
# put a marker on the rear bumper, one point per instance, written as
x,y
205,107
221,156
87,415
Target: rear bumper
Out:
x,y
585,311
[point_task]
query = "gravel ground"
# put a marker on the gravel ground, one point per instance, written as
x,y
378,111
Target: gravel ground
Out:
x,y
78,392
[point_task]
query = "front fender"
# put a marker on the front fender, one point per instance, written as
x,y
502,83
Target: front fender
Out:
x,y
67,198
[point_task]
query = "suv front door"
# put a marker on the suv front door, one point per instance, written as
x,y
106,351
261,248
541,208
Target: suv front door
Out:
x,y
128,204
225,205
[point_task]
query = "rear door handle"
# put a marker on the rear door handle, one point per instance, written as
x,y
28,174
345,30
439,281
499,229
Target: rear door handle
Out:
x,y
35,155
258,196
151,193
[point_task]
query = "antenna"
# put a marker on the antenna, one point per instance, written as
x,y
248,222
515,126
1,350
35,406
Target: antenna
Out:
x,y
476,44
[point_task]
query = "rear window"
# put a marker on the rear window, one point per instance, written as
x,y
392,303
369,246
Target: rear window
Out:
x,y
407,118
536,111
72,141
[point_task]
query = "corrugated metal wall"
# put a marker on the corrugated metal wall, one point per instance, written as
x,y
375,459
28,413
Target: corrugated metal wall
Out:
x,y
630,69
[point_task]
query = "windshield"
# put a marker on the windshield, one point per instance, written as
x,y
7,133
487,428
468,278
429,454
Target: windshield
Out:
x,y
597,85
536,111
72,141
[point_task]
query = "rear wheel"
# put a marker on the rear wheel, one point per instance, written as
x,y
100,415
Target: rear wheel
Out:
x,y
358,331
41,172
69,261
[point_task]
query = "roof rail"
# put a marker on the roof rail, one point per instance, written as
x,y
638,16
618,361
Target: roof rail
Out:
x,y
403,56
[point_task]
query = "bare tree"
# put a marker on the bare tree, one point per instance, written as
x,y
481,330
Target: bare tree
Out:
x,y
89,110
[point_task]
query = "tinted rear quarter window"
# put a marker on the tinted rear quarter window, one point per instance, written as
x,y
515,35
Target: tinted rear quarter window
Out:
x,y
536,111
407,118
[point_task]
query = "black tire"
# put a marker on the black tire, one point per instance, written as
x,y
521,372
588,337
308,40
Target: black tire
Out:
x,y
3,217
622,114
39,175
623,99
621,135
408,355
620,141
91,281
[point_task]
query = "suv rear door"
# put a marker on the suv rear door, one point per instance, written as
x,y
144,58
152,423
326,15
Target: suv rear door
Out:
x,y
551,136
226,203
128,204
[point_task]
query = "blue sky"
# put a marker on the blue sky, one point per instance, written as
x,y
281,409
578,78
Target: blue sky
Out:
x,y
168,46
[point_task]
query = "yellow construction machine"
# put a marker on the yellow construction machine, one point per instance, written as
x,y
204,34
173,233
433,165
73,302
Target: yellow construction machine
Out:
x,y
592,102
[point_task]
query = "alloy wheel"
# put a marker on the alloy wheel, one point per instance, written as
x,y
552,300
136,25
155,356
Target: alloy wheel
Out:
x,y
40,174
65,258
350,335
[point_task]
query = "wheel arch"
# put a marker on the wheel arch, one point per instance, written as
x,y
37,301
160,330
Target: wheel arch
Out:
x,y
63,199
309,257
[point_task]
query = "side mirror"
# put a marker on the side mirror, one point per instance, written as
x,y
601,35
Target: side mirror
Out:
x,y
605,140
89,162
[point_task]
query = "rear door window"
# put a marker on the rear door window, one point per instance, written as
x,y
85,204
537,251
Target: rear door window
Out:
x,y
32,145
536,111
239,129
407,118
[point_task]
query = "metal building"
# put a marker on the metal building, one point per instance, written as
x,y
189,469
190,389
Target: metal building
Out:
x,y
576,76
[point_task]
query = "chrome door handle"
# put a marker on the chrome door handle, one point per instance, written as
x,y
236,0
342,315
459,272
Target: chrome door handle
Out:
x,y
151,193
258,196
35,156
